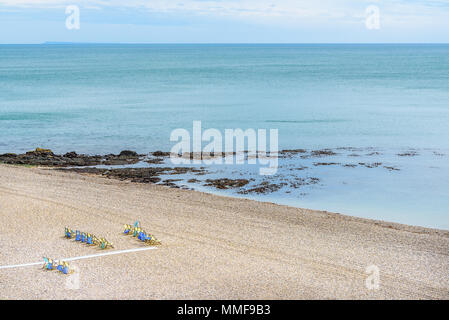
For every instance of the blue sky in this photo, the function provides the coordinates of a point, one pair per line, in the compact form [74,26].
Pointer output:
[224,21]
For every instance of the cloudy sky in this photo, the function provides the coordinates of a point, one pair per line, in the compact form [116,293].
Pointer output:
[226,21]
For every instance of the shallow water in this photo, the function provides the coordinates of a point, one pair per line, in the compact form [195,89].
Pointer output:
[106,98]
[405,186]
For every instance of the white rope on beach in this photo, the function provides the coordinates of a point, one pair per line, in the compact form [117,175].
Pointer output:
[79,258]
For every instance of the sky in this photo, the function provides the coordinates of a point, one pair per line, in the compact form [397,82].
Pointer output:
[225,21]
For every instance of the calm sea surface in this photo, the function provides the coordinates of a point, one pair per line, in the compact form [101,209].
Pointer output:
[391,98]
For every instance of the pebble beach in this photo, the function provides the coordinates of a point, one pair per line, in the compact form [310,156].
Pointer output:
[213,247]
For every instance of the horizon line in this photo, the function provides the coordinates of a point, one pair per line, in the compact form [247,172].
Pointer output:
[219,43]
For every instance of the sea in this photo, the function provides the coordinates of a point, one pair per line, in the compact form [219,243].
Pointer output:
[383,110]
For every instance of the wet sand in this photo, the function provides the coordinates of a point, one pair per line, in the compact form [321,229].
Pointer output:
[213,247]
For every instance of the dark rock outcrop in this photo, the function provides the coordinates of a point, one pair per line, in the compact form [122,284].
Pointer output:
[141,175]
[45,157]
[226,183]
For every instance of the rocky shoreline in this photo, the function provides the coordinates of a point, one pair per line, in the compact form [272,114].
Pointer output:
[139,175]
[152,167]
[46,157]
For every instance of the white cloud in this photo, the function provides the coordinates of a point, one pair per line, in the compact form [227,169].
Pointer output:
[280,12]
